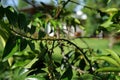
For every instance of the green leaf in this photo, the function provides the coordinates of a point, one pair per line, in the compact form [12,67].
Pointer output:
[114,55]
[107,24]
[3,34]
[77,21]
[32,30]
[117,77]
[87,77]
[12,16]
[41,34]
[31,63]
[41,76]
[22,23]
[11,43]
[108,1]
[108,59]
[67,75]
[21,73]
[32,45]
[108,69]
[77,55]
[1,12]
[23,44]
[82,64]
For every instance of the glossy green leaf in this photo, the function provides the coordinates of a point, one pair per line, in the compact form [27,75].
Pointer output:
[67,75]
[11,43]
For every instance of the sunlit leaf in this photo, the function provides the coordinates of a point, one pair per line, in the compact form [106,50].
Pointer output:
[31,63]
[86,77]
[107,24]
[108,1]
[41,76]
[10,61]
[108,59]
[108,69]
[114,55]
[21,73]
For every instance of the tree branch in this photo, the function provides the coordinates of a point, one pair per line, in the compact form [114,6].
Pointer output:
[49,39]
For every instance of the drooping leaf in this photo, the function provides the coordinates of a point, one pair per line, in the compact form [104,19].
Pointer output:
[3,34]
[43,50]
[77,55]
[22,23]
[1,12]
[69,54]
[11,43]
[41,34]
[67,75]
[21,73]
[114,55]
[10,61]
[107,24]
[82,64]
[32,45]
[108,69]
[108,59]
[12,16]
[41,76]
[23,44]
[31,63]
[32,30]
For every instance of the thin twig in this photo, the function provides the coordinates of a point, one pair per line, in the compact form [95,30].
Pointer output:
[60,11]
[85,6]
[30,3]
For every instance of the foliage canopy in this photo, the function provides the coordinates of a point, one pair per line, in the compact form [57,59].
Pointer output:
[30,52]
